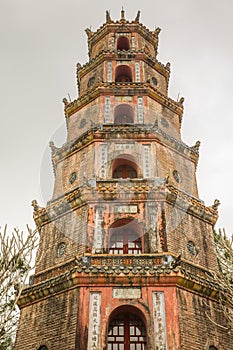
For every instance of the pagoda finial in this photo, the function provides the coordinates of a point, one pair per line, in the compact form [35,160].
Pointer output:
[216,204]
[88,32]
[108,17]
[137,18]
[157,31]
[122,14]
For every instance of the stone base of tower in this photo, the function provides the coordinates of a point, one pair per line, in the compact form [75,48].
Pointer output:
[104,302]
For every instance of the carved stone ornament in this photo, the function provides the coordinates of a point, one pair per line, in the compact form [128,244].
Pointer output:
[177,176]
[61,249]
[72,178]
[164,123]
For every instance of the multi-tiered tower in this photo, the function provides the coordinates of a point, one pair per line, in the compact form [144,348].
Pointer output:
[126,245]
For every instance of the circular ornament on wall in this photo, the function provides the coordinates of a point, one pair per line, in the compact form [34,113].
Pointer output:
[154,81]
[91,82]
[164,123]
[72,178]
[61,249]
[82,123]
[192,248]
[177,176]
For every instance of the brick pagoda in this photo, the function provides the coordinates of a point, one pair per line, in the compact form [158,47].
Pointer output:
[126,250]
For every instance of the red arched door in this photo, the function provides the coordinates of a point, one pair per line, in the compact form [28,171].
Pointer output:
[124,171]
[127,332]
[125,241]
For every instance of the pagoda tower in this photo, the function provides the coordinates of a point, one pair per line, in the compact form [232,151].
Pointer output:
[126,249]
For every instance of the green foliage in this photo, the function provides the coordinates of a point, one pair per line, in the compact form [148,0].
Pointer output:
[6,344]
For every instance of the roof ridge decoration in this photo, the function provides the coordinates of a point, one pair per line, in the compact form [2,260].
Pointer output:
[108,17]
[122,21]
[137,18]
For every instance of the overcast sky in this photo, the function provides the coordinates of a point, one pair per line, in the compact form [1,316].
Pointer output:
[41,42]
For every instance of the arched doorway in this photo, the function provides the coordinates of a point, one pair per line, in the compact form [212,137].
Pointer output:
[125,237]
[123,114]
[126,331]
[123,74]
[124,166]
[123,43]
[124,171]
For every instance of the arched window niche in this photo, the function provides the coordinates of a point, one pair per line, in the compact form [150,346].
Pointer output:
[43,347]
[123,43]
[123,114]
[123,74]
[125,237]
[212,347]
[124,166]
[127,329]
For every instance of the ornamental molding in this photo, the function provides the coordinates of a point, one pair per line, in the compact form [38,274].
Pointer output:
[105,55]
[136,132]
[156,190]
[90,270]
[122,89]
[191,205]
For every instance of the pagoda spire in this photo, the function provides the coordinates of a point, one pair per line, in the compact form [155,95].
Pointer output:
[122,14]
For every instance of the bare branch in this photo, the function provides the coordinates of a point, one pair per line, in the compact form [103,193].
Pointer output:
[16,261]
[224,250]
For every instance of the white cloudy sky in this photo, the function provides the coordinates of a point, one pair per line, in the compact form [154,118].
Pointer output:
[40,44]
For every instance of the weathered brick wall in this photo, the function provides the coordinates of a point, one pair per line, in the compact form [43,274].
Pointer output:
[197,332]
[166,161]
[182,228]
[91,79]
[103,44]
[167,120]
[51,322]
[142,43]
[80,163]
[150,72]
[80,121]
[70,229]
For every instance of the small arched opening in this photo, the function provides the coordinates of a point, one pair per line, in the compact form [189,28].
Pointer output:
[124,166]
[123,43]
[125,237]
[127,329]
[123,74]
[43,347]
[123,114]
[212,347]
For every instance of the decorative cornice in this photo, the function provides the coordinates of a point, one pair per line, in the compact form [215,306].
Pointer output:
[191,205]
[124,55]
[137,132]
[95,270]
[111,190]
[123,89]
